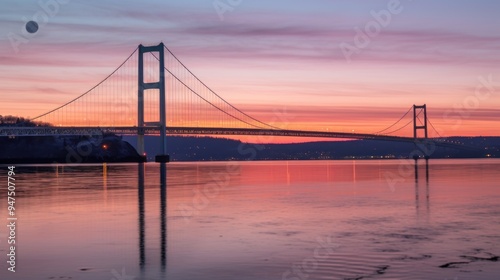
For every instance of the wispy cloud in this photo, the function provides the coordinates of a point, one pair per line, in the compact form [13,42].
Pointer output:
[264,52]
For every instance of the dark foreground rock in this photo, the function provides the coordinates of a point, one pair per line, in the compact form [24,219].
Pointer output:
[66,149]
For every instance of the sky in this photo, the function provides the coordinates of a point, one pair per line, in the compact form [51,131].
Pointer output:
[331,65]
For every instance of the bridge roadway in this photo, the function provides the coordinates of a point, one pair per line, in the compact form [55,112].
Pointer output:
[133,130]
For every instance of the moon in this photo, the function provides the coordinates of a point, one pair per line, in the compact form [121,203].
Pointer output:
[31,26]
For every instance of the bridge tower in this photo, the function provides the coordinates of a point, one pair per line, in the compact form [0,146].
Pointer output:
[142,88]
[417,110]
[422,146]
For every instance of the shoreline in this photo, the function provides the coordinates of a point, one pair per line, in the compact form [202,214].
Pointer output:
[143,159]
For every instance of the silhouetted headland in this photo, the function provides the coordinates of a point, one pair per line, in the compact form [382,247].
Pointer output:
[62,149]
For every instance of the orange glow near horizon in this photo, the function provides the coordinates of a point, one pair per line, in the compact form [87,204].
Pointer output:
[322,106]
[292,76]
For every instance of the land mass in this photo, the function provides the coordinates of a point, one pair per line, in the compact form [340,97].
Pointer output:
[62,149]
[113,148]
[66,149]
[219,149]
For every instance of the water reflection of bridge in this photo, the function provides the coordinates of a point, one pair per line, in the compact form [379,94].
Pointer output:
[417,189]
[421,201]
[163,219]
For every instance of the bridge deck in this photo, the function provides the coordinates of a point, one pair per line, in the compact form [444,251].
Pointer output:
[70,131]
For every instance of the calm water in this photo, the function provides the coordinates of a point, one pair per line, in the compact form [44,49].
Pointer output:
[266,220]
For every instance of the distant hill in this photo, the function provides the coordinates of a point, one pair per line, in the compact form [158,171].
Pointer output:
[112,148]
[210,149]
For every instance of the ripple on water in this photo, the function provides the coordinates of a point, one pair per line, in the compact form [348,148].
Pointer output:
[352,266]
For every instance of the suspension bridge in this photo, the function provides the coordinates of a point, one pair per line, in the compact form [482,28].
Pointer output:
[153,93]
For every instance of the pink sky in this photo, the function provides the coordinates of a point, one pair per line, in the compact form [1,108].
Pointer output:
[286,56]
